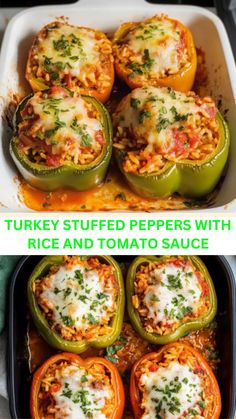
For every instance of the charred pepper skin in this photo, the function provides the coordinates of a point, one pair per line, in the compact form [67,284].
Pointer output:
[78,177]
[184,328]
[194,179]
[55,339]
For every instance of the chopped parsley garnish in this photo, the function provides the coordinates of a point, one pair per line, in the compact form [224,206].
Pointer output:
[145,67]
[67,320]
[163,110]
[102,296]
[79,276]
[202,404]
[80,129]
[83,298]
[62,44]
[154,298]
[162,123]
[81,397]
[134,102]
[174,282]
[67,292]
[67,392]
[111,350]
[143,115]
[91,319]
[66,46]
[178,116]
[171,93]
[56,290]
[212,355]
[121,196]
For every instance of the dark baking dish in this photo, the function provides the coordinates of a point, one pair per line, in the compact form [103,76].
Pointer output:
[18,373]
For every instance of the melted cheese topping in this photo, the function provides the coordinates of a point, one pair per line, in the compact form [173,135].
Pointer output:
[156,46]
[77,398]
[64,121]
[171,392]
[153,113]
[174,293]
[77,298]
[69,49]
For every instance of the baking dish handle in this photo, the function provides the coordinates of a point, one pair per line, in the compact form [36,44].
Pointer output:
[112,4]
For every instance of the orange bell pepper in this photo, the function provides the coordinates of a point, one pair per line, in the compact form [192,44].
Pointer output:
[181,81]
[119,397]
[213,389]
[101,93]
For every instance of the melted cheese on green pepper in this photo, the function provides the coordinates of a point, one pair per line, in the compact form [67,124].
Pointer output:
[78,298]
[174,292]
[64,123]
[78,397]
[152,114]
[156,46]
[172,392]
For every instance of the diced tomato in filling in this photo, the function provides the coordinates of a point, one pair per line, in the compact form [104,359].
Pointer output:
[55,387]
[194,139]
[183,142]
[211,112]
[198,369]
[203,283]
[25,111]
[68,80]
[178,263]
[182,43]
[99,137]
[53,160]
[153,368]
[59,90]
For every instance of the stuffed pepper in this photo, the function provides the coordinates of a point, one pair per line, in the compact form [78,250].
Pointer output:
[77,302]
[158,52]
[66,386]
[62,140]
[166,141]
[175,382]
[169,296]
[77,58]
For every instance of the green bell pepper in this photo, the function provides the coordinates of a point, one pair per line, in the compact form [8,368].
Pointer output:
[78,177]
[184,328]
[55,339]
[189,178]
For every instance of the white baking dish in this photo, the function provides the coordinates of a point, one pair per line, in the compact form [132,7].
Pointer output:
[209,34]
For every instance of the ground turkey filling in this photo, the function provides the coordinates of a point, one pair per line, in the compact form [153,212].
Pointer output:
[169,293]
[78,298]
[71,391]
[58,128]
[154,126]
[152,49]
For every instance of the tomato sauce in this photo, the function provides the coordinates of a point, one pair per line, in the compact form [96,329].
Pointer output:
[112,195]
